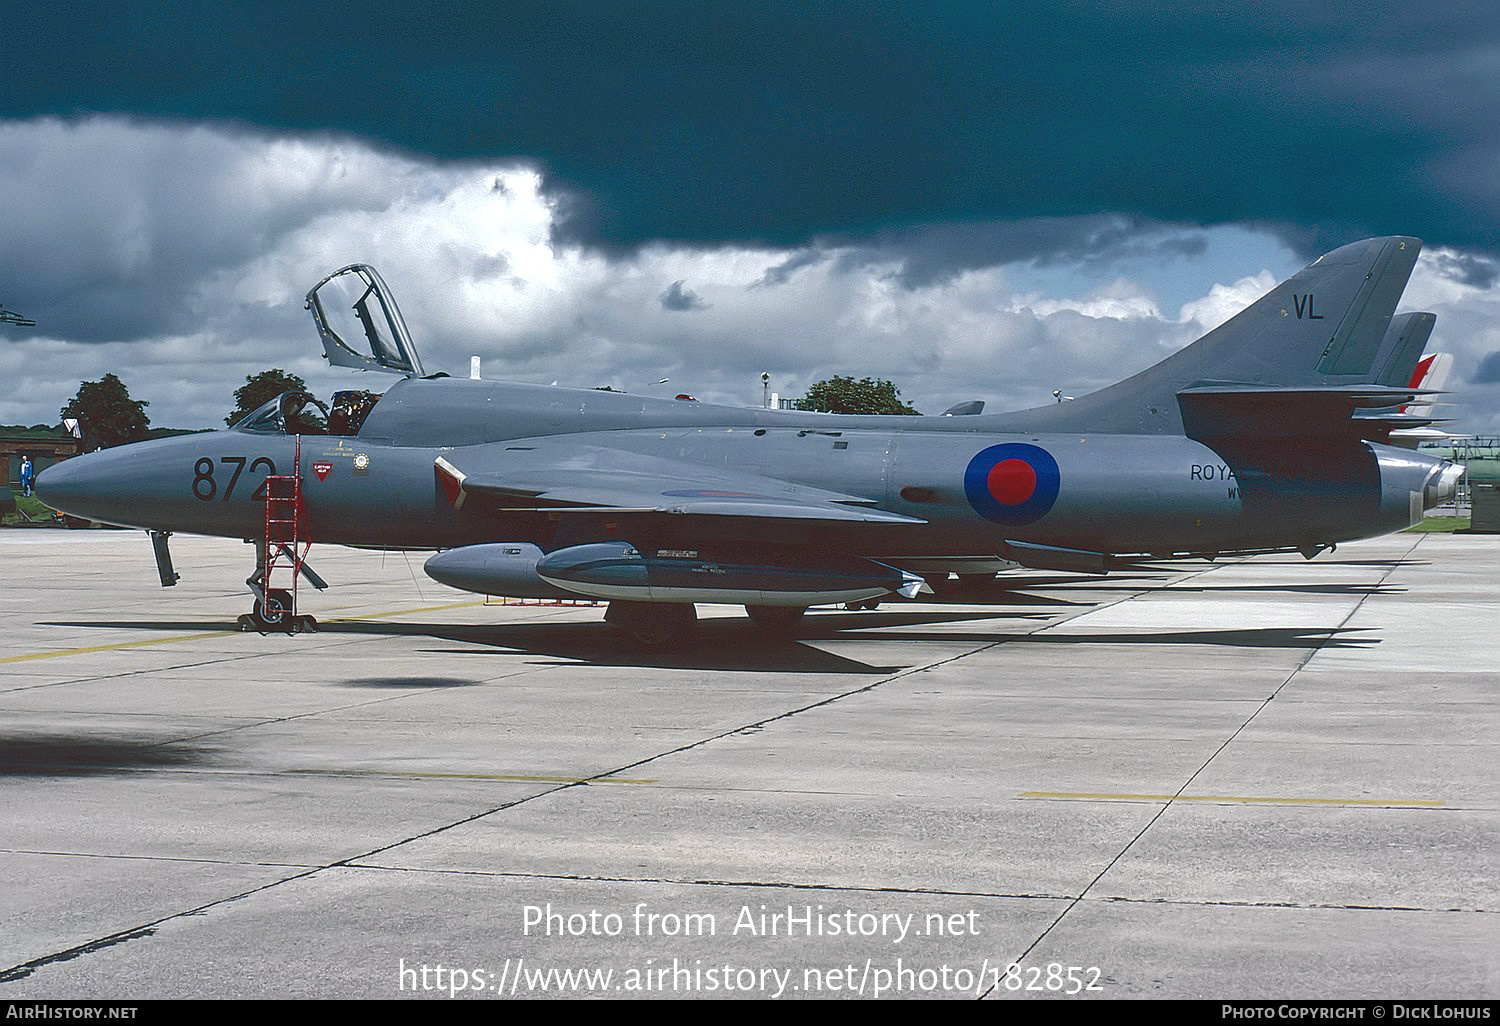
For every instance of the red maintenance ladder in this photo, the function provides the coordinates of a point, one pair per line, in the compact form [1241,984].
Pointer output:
[287,544]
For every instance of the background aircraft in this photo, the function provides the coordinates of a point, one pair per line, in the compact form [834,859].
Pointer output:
[1269,433]
[1430,376]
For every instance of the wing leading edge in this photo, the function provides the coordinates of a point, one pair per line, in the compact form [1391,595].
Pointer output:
[562,478]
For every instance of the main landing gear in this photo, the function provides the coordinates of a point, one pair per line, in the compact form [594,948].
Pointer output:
[653,624]
[965,584]
[778,620]
[663,624]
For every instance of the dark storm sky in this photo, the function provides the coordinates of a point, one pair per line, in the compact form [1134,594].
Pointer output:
[781,122]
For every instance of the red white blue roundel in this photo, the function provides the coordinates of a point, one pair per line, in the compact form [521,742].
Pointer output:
[1012,483]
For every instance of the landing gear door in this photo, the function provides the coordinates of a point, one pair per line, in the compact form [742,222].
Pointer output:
[359,323]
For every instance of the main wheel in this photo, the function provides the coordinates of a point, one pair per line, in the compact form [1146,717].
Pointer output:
[653,624]
[776,619]
[943,585]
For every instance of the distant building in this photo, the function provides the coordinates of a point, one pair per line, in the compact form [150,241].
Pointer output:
[44,446]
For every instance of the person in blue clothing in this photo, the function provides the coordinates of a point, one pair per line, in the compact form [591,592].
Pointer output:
[26,476]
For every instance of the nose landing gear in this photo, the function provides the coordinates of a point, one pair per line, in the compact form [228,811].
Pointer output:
[275,609]
[274,613]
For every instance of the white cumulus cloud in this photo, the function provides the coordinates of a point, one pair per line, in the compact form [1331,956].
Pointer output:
[177,255]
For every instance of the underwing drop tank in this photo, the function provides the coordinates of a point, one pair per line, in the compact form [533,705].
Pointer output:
[622,571]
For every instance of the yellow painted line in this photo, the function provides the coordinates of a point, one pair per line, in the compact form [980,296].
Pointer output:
[178,639]
[59,653]
[507,778]
[400,612]
[1417,803]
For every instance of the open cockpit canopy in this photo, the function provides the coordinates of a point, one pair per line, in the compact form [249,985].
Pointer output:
[359,323]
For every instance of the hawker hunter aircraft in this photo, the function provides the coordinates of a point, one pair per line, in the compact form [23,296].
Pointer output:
[1270,433]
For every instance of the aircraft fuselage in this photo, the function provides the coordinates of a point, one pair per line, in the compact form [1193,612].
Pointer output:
[1108,493]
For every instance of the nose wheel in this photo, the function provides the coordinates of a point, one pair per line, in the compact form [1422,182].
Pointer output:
[275,615]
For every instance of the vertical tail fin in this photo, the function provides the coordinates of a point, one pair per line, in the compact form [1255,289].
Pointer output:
[1324,325]
[1431,374]
[1396,363]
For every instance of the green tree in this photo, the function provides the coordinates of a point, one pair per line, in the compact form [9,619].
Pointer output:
[261,388]
[840,394]
[106,413]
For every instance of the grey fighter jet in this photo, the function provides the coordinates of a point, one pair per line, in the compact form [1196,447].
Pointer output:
[1270,433]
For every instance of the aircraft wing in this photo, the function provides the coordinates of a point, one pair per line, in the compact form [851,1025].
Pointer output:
[562,476]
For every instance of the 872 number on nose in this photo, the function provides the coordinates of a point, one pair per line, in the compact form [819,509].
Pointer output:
[206,487]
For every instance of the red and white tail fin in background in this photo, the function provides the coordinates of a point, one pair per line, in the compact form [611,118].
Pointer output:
[1431,374]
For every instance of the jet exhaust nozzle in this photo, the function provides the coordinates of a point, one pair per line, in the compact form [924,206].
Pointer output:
[1443,485]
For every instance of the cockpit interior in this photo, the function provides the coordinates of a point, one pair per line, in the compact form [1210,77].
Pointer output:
[297,412]
[360,327]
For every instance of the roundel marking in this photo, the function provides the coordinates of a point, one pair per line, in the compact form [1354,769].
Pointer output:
[1012,483]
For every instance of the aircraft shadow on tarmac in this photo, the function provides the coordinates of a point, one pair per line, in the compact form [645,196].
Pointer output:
[59,755]
[734,644]
[719,643]
[1388,563]
[1364,590]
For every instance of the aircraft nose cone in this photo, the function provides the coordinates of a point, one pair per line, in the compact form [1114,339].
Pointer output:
[95,486]
[58,486]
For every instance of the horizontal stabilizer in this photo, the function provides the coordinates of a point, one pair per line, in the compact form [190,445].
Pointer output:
[1223,411]
[1408,416]
[1412,438]
[1362,395]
